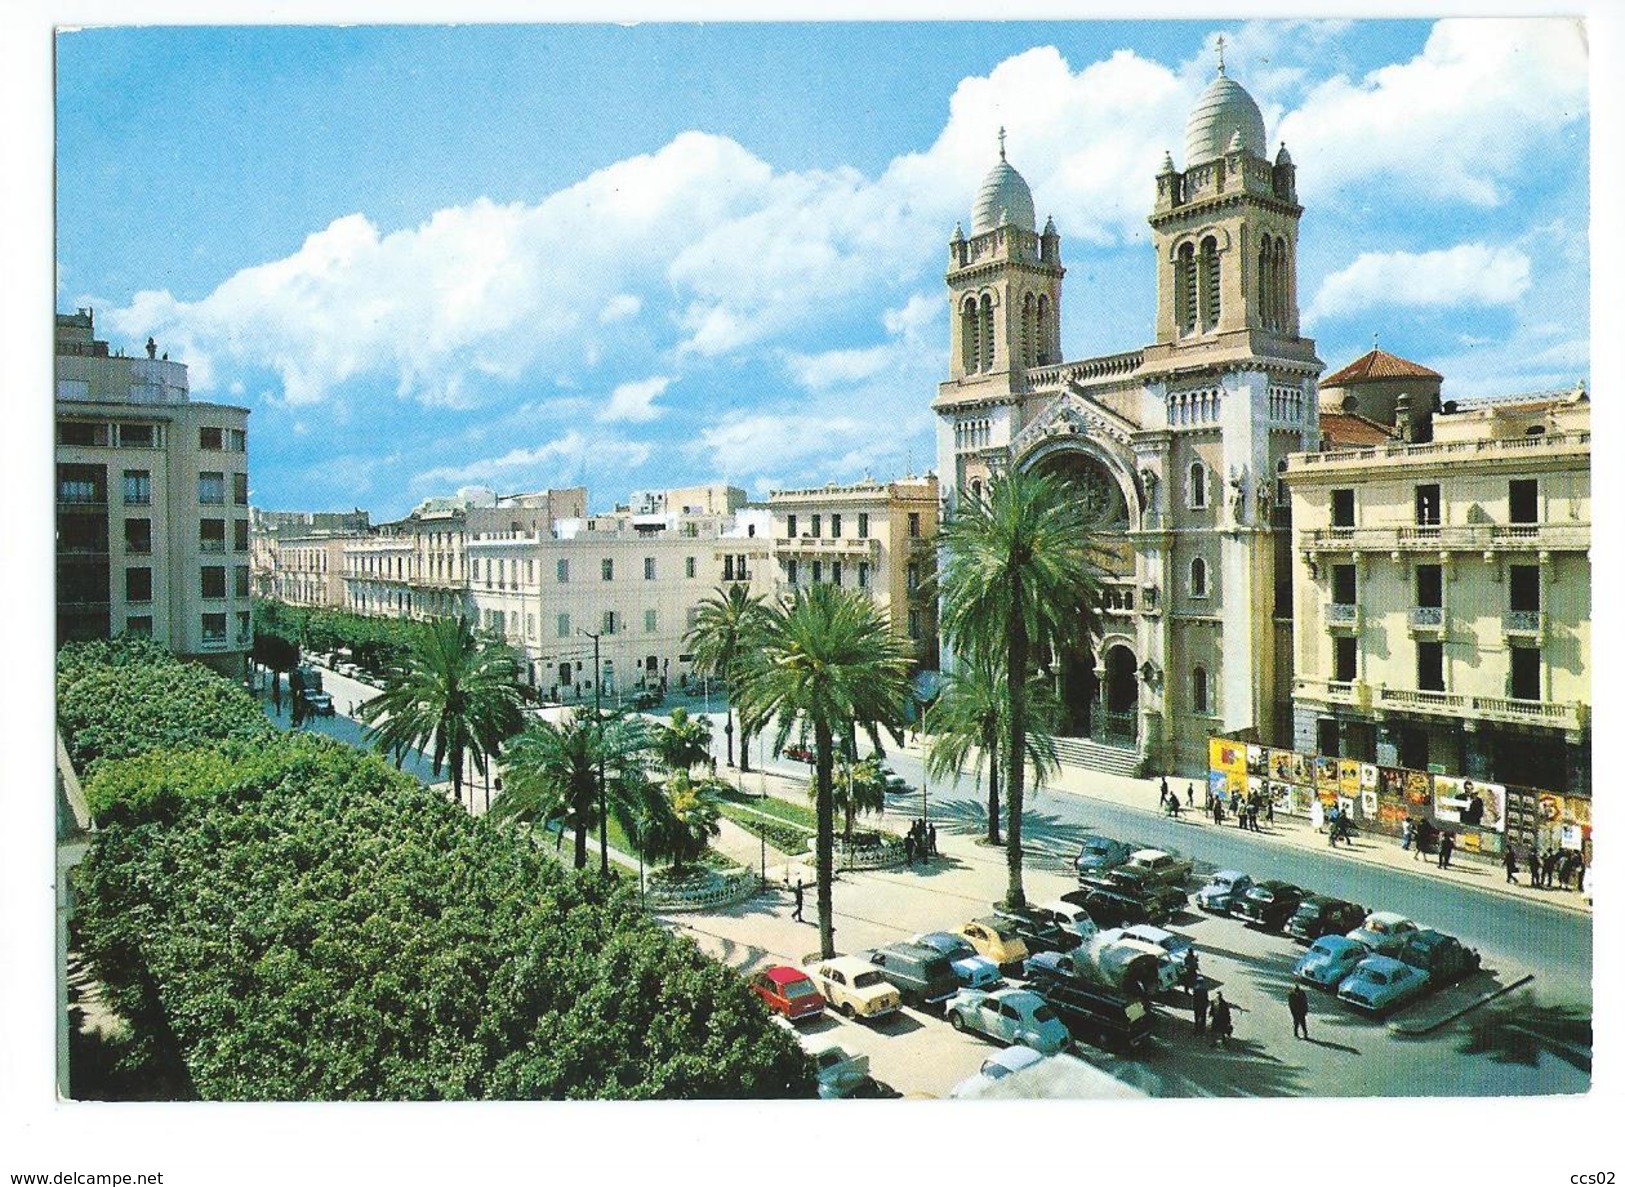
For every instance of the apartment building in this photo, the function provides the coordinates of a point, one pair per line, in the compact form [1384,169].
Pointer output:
[152,507]
[634,577]
[879,537]
[1443,594]
[298,556]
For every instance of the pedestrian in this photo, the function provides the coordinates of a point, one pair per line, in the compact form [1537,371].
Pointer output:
[1548,872]
[276,692]
[1297,1002]
[1223,1028]
[1509,862]
[1447,846]
[1218,810]
[799,900]
[1173,805]
[1190,795]
[1164,796]
[1565,870]
[931,841]
[1405,833]
[1579,872]
[1199,1009]
[1269,809]
[1252,816]
[908,847]
[1191,975]
[1535,856]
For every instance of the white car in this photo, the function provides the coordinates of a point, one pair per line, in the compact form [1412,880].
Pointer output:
[1169,969]
[855,987]
[997,1067]
[840,1073]
[1070,917]
[1010,1016]
[1158,866]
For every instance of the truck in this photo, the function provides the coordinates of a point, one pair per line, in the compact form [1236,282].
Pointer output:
[1099,961]
[1100,991]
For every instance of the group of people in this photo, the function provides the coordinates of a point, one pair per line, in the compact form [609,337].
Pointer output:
[1339,826]
[1422,837]
[1169,798]
[1221,1025]
[920,842]
[1554,867]
[1247,810]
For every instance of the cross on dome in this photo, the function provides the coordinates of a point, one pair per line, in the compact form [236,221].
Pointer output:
[1221,53]
[1001,142]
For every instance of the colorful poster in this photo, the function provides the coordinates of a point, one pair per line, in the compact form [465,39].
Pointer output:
[1227,756]
[1449,798]
[1281,796]
[1257,761]
[1369,809]
[1573,836]
[1348,776]
[1419,789]
[1326,774]
[1218,785]
[1303,799]
[1549,808]
[1390,783]
[1577,810]
[1491,806]
[1368,775]
[1286,766]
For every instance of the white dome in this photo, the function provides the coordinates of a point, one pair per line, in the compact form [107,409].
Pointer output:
[1223,111]
[1004,193]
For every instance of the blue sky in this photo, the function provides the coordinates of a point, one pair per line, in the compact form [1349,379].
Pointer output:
[428,257]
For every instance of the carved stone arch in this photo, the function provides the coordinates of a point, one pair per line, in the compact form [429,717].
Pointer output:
[1220,236]
[1060,446]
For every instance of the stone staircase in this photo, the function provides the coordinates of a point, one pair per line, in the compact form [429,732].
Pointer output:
[1092,756]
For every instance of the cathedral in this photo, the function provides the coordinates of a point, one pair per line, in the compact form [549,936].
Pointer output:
[1177,446]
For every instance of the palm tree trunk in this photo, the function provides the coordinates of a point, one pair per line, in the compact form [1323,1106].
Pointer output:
[728,729]
[582,814]
[993,790]
[825,858]
[456,758]
[1015,895]
[744,748]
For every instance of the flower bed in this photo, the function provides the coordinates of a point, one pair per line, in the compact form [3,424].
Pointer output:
[701,890]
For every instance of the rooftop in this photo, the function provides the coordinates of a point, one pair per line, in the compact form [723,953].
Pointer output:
[1377,365]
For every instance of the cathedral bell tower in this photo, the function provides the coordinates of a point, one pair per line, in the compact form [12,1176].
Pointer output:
[1226,229]
[1004,288]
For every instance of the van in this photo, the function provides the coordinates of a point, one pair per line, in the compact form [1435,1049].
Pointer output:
[923,976]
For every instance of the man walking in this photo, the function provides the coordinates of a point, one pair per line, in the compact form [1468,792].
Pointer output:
[1222,1025]
[1199,1009]
[1297,1002]
[1191,973]
[799,900]
[908,847]
[1190,795]
[1447,846]
[1163,798]
[1548,871]
[1509,861]
[276,692]
[931,841]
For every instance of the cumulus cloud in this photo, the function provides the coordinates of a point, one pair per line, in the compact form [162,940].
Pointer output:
[1467,274]
[635,400]
[1482,101]
[559,461]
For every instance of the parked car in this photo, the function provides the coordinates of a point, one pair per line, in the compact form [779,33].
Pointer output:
[788,991]
[1098,854]
[923,976]
[1329,961]
[1113,908]
[1380,983]
[998,940]
[320,703]
[1159,866]
[1162,901]
[856,988]
[996,1067]
[971,970]
[1168,969]
[1383,932]
[1319,916]
[840,1073]
[800,754]
[1269,904]
[1070,918]
[1106,1018]
[1039,933]
[1223,891]
[1176,946]
[1010,1016]
[1443,958]
[648,699]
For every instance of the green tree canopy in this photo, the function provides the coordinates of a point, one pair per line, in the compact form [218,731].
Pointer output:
[723,625]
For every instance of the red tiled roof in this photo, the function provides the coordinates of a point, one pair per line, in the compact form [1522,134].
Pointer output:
[1350,428]
[1378,364]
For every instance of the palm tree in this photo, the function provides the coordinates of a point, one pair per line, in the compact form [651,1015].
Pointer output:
[683,741]
[686,821]
[550,775]
[451,688]
[825,660]
[721,622]
[860,787]
[1021,576]
[970,716]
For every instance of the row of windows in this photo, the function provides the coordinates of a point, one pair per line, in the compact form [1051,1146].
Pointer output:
[611,622]
[815,525]
[1523,503]
[973,434]
[836,572]
[1523,587]
[143,435]
[212,582]
[1523,677]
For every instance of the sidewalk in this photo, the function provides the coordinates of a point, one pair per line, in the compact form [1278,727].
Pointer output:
[1368,848]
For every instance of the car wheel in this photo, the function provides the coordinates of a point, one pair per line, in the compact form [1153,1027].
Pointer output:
[956,1021]
[847,1011]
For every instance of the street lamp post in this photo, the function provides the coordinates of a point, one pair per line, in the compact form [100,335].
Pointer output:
[598,717]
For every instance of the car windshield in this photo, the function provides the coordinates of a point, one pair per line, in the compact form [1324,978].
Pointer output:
[799,989]
[865,980]
[1376,977]
[829,1059]
[1323,948]
[1043,1014]
[1095,847]
[1259,894]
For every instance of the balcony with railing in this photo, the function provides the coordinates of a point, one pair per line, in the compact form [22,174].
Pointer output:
[1530,624]
[835,546]
[1476,537]
[1571,715]
[1426,620]
[1435,453]
[1343,616]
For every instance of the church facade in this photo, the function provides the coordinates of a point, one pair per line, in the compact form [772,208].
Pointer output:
[1177,446]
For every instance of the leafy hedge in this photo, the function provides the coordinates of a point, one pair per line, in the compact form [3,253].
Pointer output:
[290,919]
[789,839]
[125,697]
[376,641]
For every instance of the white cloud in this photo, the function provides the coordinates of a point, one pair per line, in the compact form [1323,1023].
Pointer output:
[558,461]
[1481,103]
[620,307]
[1465,275]
[634,401]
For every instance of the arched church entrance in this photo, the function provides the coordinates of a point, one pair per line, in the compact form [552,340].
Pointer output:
[1120,704]
[1077,683]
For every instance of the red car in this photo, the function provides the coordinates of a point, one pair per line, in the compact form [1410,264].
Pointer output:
[788,991]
